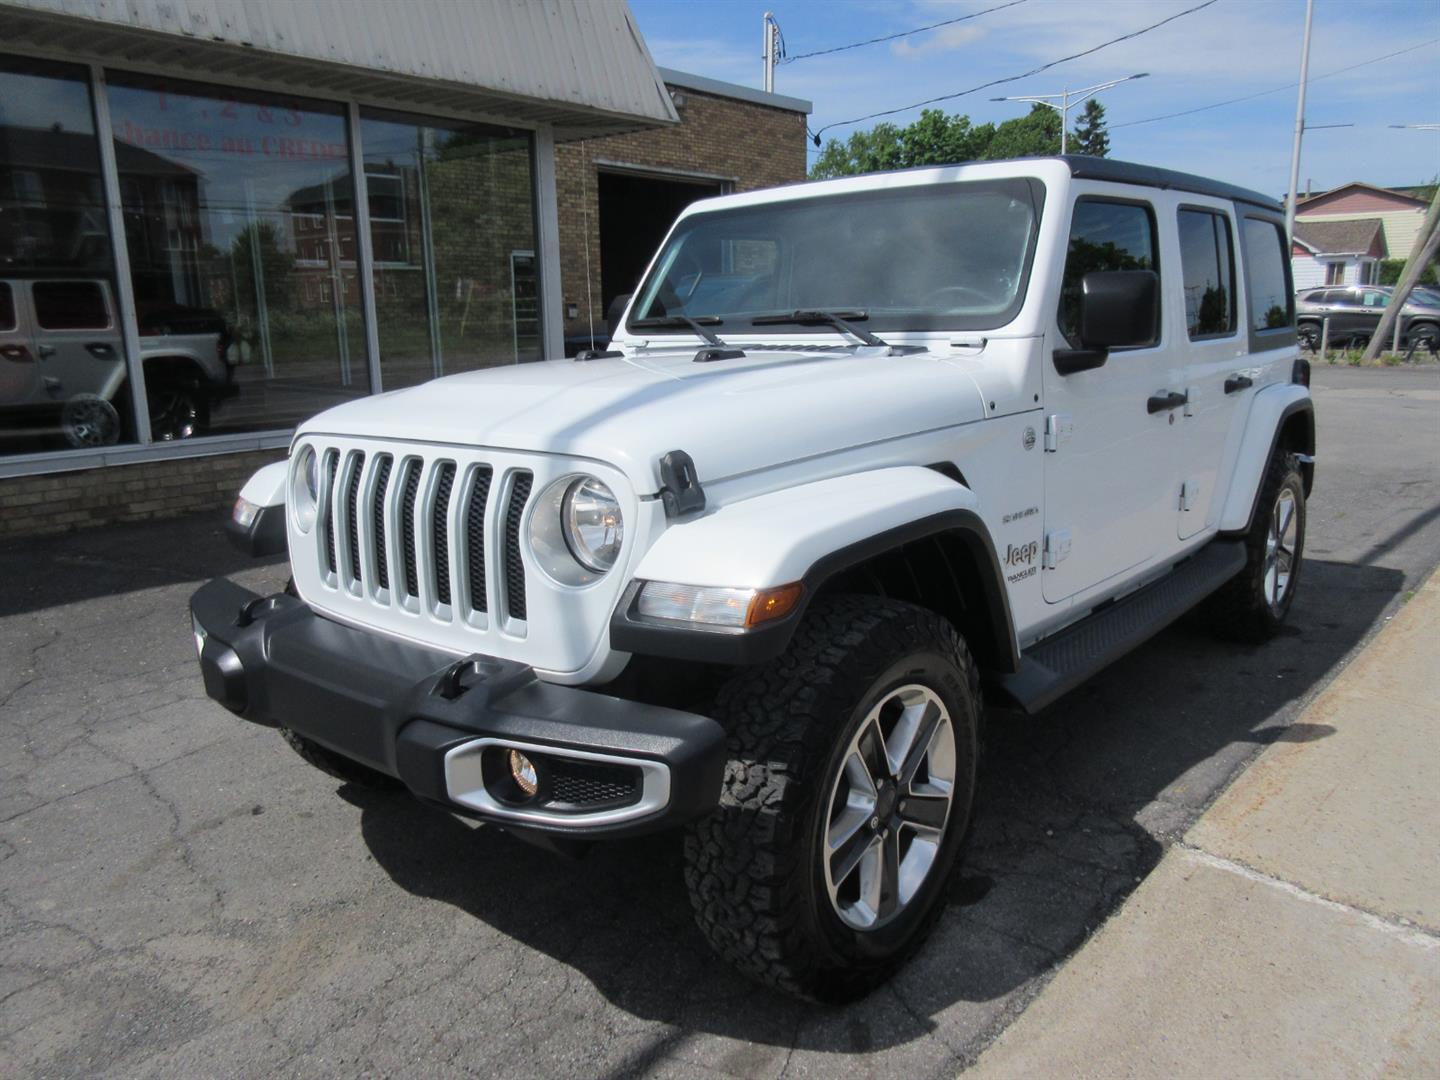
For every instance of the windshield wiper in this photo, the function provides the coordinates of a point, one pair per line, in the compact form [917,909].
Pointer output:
[840,320]
[677,322]
[716,348]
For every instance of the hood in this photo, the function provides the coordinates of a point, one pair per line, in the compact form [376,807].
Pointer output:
[730,416]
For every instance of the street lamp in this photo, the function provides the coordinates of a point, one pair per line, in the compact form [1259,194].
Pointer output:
[1065,100]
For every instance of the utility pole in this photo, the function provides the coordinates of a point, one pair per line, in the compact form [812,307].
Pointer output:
[1065,96]
[771,28]
[1427,244]
[1299,126]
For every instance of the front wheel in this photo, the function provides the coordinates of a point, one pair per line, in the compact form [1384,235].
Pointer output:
[846,799]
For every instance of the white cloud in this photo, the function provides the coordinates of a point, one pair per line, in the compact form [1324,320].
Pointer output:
[943,40]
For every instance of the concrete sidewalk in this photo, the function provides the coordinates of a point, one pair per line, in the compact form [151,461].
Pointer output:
[1296,930]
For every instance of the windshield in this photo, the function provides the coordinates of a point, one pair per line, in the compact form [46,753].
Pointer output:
[937,256]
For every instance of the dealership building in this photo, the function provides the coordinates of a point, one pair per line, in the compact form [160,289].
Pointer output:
[218,217]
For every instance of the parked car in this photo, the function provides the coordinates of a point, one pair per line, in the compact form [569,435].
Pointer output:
[1354,312]
[860,452]
[62,362]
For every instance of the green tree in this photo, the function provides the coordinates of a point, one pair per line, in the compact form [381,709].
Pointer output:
[1090,136]
[938,139]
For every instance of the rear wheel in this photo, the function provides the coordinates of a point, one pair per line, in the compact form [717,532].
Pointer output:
[1253,605]
[1425,338]
[1309,335]
[846,800]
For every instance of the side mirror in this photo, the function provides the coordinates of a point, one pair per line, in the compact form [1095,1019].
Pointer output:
[1118,309]
[615,311]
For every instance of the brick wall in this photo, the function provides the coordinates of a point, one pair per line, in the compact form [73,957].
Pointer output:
[757,145]
[60,502]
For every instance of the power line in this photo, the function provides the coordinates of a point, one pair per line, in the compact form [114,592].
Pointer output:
[903,33]
[1274,90]
[1017,78]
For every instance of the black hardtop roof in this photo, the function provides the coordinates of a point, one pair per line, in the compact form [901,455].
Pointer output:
[1120,172]
[1128,172]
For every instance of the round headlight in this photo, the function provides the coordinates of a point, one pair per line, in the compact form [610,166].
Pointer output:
[305,487]
[592,525]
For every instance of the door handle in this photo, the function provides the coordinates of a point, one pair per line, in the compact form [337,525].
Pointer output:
[101,350]
[45,350]
[18,353]
[1237,383]
[1162,402]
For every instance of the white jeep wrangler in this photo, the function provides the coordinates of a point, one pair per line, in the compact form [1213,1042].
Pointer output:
[859,448]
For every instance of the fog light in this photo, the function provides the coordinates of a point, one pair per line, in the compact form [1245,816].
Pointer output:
[522,771]
[200,634]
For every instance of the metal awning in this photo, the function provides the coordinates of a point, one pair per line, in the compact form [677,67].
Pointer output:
[582,68]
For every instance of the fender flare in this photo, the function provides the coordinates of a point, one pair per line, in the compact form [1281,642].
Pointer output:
[264,534]
[1272,410]
[809,534]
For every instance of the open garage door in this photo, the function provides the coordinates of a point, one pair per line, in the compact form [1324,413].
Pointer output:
[636,211]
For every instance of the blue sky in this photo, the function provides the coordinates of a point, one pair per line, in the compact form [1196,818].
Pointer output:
[1230,49]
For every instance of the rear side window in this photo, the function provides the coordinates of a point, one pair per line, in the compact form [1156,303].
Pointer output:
[70,305]
[1104,235]
[1207,261]
[1271,305]
[7,307]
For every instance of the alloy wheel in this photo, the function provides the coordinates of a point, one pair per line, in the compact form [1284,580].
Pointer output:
[889,806]
[1280,549]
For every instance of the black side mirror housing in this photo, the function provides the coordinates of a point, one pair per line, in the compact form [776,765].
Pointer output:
[1118,309]
[615,311]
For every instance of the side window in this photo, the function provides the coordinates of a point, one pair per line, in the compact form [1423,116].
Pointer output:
[1271,305]
[70,305]
[1342,297]
[1207,261]
[1104,235]
[1372,298]
[7,307]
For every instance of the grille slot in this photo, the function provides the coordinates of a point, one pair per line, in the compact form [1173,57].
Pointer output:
[440,532]
[407,527]
[514,568]
[352,516]
[475,538]
[326,483]
[377,517]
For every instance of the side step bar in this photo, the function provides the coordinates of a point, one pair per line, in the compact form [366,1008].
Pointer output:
[1056,665]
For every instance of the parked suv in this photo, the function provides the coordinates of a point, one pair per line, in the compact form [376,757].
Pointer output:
[1354,312]
[62,360]
[863,455]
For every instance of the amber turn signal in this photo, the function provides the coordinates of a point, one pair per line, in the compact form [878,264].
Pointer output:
[771,604]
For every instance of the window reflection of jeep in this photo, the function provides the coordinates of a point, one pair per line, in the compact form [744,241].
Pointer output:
[63,372]
[864,455]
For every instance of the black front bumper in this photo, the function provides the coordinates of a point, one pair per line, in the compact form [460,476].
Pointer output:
[401,708]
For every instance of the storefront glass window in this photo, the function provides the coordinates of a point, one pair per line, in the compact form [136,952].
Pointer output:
[242,254]
[452,224]
[63,378]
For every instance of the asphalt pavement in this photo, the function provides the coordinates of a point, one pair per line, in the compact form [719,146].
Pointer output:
[180,893]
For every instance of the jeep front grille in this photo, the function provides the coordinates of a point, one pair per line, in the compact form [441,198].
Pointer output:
[433,521]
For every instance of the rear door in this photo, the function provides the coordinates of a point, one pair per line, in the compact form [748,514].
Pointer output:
[19,381]
[77,339]
[1219,384]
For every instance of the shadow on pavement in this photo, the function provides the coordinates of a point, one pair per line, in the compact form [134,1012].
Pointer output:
[47,571]
[1076,806]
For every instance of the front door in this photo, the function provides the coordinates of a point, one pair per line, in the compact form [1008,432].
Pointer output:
[19,381]
[1111,463]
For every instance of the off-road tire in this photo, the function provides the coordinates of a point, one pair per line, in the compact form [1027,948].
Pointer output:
[752,866]
[1241,609]
[333,764]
